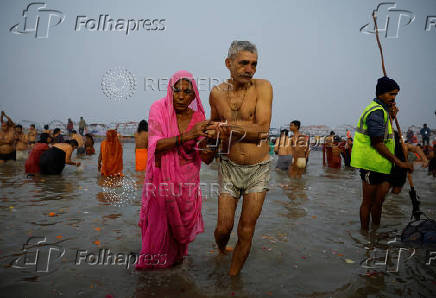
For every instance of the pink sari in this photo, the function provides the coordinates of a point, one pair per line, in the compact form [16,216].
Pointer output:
[170,215]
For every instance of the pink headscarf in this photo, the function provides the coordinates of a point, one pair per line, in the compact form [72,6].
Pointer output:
[163,124]
[166,222]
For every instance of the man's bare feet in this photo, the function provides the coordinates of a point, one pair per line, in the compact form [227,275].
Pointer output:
[225,251]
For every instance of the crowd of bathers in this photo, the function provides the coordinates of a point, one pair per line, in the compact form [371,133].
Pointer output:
[44,152]
[336,150]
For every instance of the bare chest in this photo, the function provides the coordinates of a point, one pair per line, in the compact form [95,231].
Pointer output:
[237,106]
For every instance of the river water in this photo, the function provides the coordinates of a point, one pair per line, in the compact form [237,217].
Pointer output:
[307,241]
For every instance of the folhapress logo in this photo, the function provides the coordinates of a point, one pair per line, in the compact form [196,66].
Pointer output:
[39,255]
[394,19]
[38,20]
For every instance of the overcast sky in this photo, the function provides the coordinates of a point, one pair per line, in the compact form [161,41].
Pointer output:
[322,68]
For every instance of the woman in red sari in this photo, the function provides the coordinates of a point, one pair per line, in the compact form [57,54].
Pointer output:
[170,216]
[32,162]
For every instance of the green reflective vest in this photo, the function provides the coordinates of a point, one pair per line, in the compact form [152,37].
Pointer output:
[363,155]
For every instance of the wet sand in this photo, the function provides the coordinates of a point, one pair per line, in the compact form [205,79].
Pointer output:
[307,241]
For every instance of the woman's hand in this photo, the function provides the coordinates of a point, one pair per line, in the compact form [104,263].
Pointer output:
[199,129]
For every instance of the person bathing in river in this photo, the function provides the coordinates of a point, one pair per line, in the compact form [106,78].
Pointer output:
[110,159]
[141,145]
[32,162]
[31,135]
[79,139]
[89,144]
[170,216]
[282,147]
[7,139]
[245,104]
[300,151]
[21,143]
[53,160]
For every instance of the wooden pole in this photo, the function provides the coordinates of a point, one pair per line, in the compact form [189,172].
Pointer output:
[400,135]
[379,43]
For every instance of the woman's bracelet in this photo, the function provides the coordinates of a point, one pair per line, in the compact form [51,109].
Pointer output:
[179,140]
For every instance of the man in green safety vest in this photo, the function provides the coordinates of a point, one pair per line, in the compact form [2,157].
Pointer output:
[374,151]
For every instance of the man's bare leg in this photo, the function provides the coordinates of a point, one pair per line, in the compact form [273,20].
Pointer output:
[226,217]
[300,172]
[292,172]
[251,208]
[380,194]
[367,202]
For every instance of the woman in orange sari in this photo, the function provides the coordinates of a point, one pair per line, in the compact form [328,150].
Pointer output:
[110,159]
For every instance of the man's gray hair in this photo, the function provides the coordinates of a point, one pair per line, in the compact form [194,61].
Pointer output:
[241,45]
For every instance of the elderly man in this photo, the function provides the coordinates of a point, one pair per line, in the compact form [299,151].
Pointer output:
[244,104]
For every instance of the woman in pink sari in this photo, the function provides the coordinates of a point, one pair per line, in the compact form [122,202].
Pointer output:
[170,215]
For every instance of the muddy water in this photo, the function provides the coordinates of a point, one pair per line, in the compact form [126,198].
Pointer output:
[307,241]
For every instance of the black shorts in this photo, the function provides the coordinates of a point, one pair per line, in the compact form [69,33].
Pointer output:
[372,177]
[8,156]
